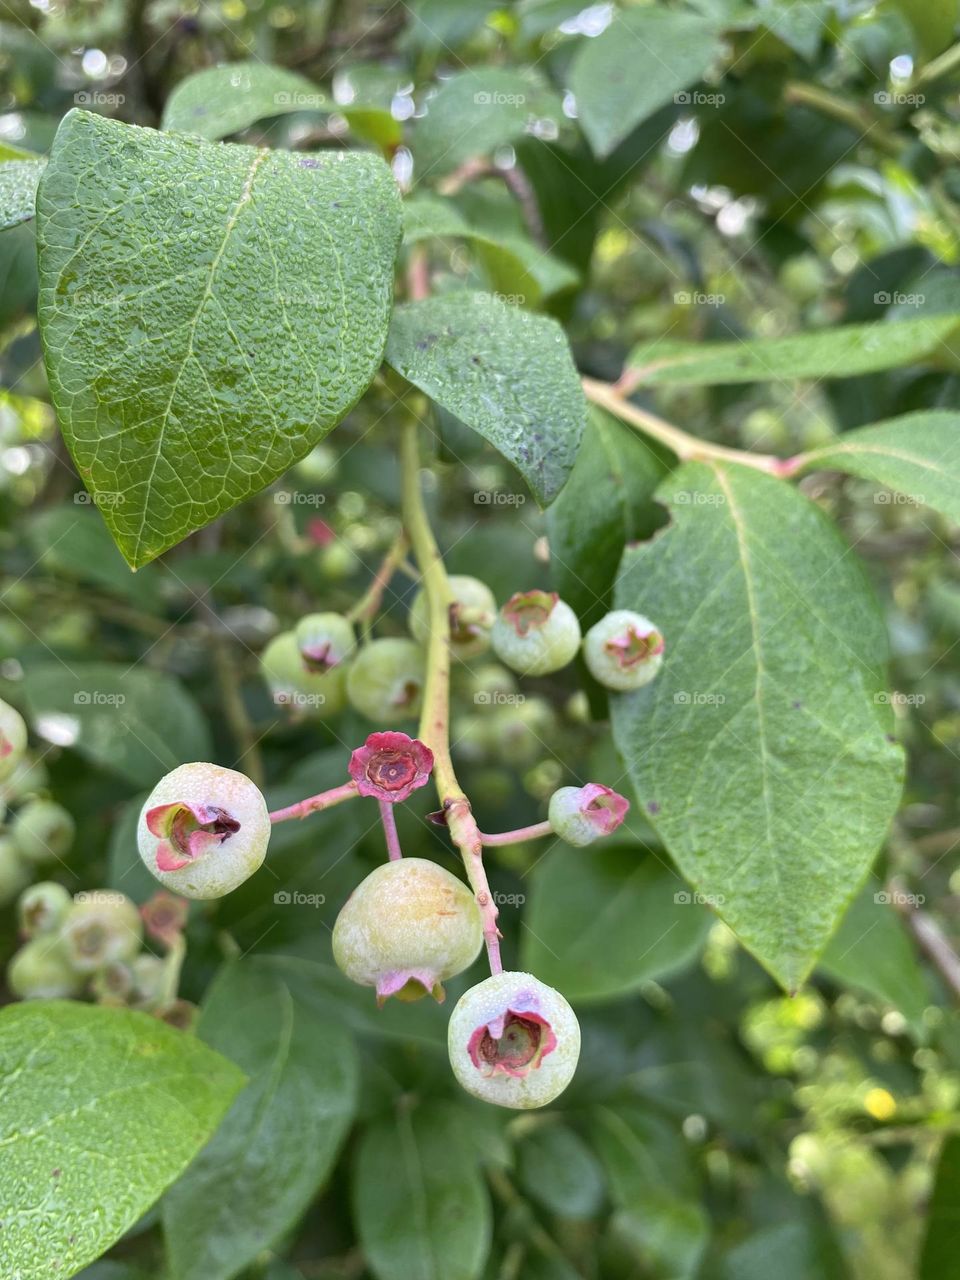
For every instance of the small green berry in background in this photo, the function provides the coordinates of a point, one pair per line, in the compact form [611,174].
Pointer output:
[479,640]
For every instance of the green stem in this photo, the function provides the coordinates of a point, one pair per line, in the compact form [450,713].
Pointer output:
[366,608]
[850,113]
[435,719]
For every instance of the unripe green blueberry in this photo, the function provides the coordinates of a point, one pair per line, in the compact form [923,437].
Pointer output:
[385,680]
[490,685]
[338,561]
[43,830]
[325,640]
[203,830]
[28,777]
[513,1041]
[319,466]
[100,928]
[522,733]
[405,928]
[42,907]
[113,984]
[470,635]
[624,650]
[292,682]
[536,633]
[14,872]
[13,739]
[580,815]
[149,978]
[39,971]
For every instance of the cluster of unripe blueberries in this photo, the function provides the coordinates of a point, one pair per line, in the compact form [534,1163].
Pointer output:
[411,925]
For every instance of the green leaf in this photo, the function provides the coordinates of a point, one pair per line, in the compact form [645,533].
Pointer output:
[760,751]
[102,1108]
[917,455]
[419,1201]
[188,369]
[219,101]
[600,925]
[826,353]
[933,22]
[641,62]
[558,1169]
[476,111]
[18,190]
[607,502]
[275,1148]
[505,373]
[72,541]
[790,1251]
[133,722]
[872,951]
[938,1258]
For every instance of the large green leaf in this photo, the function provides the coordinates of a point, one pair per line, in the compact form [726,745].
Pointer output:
[218,101]
[938,1259]
[600,925]
[505,373]
[208,313]
[277,1145]
[419,1200]
[917,455]
[872,951]
[644,59]
[789,1251]
[102,1108]
[137,723]
[760,751]
[476,111]
[827,353]
[18,190]
[607,502]
[558,1169]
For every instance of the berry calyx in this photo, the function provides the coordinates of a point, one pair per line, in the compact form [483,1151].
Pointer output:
[406,928]
[471,616]
[100,928]
[325,641]
[514,1041]
[40,971]
[535,633]
[624,650]
[390,766]
[203,830]
[303,683]
[42,831]
[13,739]
[580,815]
[42,907]
[385,680]
[164,917]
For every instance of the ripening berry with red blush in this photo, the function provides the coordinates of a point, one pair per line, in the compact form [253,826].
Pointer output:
[535,633]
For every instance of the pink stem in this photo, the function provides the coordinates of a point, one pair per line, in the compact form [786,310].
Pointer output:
[533,832]
[314,804]
[389,820]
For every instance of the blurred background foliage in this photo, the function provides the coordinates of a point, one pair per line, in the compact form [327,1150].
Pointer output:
[716,1128]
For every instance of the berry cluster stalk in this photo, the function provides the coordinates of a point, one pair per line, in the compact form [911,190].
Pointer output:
[435,719]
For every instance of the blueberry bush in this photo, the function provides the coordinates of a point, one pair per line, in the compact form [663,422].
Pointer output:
[479,607]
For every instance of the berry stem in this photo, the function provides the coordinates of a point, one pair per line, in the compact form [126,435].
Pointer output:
[533,832]
[687,448]
[389,820]
[435,719]
[314,804]
[367,607]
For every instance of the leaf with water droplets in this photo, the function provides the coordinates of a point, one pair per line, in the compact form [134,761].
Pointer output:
[218,101]
[100,1109]
[208,313]
[18,190]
